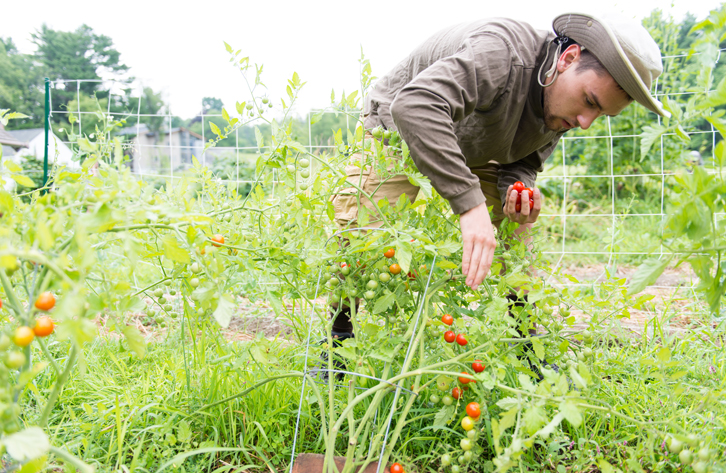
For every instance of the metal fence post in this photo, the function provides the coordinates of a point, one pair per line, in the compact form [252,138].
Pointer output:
[47,127]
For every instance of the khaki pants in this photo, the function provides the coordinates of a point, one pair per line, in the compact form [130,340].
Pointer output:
[345,203]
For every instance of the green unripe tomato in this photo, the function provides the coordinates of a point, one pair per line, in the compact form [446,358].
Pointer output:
[194,282]
[445,459]
[5,342]
[434,399]
[461,459]
[167,282]
[455,469]
[447,400]
[334,281]
[172,292]
[587,336]
[700,467]
[158,292]
[704,454]
[465,444]
[174,315]
[686,457]
[168,308]
[14,360]
[369,295]
[162,300]
[564,311]
[303,186]
[547,310]
[386,134]
[471,435]
[290,168]
[265,100]
[345,270]
[384,277]
[675,446]
[248,106]
[587,352]
[692,440]
[468,456]
[372,285]
[377,133]
[303,163]
[304,173]
[195,268]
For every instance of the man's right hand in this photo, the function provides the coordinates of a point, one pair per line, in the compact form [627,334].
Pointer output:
[479,244]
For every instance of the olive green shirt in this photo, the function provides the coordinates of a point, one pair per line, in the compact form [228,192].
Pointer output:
[467,96]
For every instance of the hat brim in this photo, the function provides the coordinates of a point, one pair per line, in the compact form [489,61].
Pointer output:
[599,38]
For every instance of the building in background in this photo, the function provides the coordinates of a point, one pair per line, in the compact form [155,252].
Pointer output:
[154,152]
[30,143]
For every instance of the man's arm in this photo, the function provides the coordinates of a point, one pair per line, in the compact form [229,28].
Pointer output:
[425,111]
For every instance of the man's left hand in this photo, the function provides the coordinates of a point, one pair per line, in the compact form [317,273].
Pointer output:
[527,213]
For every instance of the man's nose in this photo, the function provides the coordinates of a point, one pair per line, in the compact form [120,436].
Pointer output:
[585,120]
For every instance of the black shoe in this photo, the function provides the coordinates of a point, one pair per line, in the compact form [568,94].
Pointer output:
[338,364]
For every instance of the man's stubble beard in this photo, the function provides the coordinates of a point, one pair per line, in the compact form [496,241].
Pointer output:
[550,119]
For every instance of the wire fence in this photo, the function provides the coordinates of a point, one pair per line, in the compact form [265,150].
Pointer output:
[630,191]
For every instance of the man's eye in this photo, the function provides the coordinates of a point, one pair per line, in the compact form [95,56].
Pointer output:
[589,104]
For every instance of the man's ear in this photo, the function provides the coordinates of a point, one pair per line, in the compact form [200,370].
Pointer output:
[568,57]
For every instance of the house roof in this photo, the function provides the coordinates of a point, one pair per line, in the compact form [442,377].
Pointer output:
[8,151]
[9,139]
[27,135]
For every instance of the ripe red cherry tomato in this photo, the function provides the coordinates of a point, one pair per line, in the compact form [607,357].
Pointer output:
[518,207]
[43,326]
[473,410]
[389,253]
[477,366]
[447,319]
[464,380]
[456,393]
[461,339]
[518,186]
[397,468]
[449,336]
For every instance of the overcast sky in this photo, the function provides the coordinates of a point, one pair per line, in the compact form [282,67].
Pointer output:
[177,47]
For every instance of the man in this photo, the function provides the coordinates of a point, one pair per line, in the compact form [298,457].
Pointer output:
[482,105]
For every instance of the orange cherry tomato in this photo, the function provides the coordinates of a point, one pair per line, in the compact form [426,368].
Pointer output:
[464,380]
[473,410]
[45,301]
[44,326]
[456,393]
[23,336]
[217,239]
[448,319]
[389,253]
[394,268]
[449,336]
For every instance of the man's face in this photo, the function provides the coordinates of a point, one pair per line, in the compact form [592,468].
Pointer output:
[577,98]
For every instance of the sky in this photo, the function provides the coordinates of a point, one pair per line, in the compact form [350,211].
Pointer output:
[178,47]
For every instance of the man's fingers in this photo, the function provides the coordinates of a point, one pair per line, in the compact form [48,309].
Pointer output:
[485,263]
[466,257]
[475,263]
[537,205]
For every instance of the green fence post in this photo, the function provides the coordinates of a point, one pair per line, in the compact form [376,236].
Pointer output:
[47,128]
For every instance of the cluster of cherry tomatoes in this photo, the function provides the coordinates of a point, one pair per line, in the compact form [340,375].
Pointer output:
[519,188]
[24,335]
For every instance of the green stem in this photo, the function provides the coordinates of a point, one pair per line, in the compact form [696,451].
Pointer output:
[70,363]
[79,464]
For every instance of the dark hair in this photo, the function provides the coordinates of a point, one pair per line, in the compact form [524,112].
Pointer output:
[588,62]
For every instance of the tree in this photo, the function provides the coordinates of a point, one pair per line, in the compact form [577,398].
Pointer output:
[211,103]
[20,85]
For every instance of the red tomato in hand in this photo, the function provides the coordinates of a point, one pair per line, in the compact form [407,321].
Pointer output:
[449,336]
[518,207]
[477,366]
[447,319]
[456,393]
[397,468]
[518,186]
[473,410]
[461,339]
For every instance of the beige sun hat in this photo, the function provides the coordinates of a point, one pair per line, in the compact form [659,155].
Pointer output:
[623,46]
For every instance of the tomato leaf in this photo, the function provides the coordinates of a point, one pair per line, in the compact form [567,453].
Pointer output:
[443,416]
[135,340]
[404,255]
[534,419]
[571,412]
[224,311]
[24,181]
[648,137]
[384,303]
[27,444]
[538,348]
[422,182]
[173,251]
[647,274]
